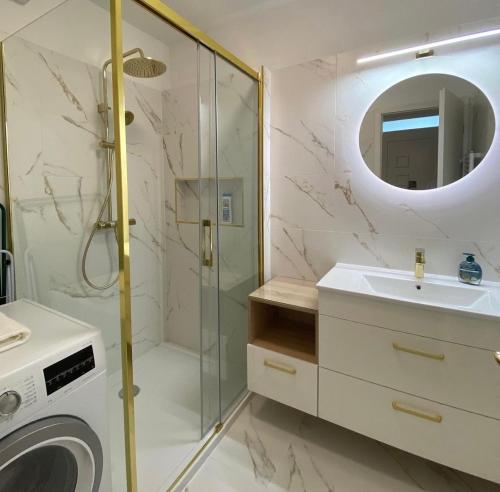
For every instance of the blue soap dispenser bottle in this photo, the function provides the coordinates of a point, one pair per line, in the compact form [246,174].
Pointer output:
[469,271]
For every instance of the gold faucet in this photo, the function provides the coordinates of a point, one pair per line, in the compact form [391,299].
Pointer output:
[419,262]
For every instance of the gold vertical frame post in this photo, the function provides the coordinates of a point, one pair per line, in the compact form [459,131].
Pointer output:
[123,242]
[260,174]
[4,143]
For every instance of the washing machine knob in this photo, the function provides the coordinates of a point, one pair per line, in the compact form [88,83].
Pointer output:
[10,401]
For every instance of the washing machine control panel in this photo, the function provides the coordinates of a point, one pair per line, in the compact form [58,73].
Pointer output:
[19,396]
[65,371]
[10,401]
[25,392]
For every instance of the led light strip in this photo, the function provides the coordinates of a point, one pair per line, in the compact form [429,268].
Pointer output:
[428,46]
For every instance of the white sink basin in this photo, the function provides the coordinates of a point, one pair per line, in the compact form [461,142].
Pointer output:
[434,291]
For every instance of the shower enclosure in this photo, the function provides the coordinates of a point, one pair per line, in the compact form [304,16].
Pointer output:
[134,197]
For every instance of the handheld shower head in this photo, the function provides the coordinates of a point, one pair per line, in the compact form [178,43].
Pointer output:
[129,117]
[144,67]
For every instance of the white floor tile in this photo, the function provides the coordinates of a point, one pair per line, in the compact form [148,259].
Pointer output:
[273,448]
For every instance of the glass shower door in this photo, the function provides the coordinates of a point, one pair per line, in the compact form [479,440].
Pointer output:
[209,258]
[228,118]
[237,198]
[162,101]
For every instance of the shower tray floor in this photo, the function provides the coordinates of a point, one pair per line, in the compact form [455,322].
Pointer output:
[167,417]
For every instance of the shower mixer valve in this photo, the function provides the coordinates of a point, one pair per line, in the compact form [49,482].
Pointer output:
[112,224]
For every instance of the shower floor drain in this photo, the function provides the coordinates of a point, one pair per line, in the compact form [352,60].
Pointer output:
[137,390]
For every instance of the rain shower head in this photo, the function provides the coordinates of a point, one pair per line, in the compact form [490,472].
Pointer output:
[144,67]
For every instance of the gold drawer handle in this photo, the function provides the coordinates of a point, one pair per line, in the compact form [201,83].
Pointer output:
[497,357]
[401,407]
[408,350]
[280,367]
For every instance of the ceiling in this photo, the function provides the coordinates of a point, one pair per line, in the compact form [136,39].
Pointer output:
[213,13]
[285,32]
[281,32]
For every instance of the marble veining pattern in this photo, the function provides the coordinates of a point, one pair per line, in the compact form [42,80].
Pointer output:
[272,447]
[327,207]
[180,157]
[58,184]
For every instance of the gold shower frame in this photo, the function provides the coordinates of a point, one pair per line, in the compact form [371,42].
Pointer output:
[172,18]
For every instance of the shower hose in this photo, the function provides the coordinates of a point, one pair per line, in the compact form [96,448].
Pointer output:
[95,227]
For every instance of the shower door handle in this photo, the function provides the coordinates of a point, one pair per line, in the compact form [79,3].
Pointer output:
[208,254]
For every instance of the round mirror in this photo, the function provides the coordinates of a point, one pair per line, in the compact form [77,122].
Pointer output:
[427,132]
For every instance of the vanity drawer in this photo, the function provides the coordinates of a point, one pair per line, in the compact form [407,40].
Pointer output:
[453,374]
[434,323]
[453,437]
[288,380]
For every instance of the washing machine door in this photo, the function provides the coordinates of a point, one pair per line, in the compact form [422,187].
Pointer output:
[55,454]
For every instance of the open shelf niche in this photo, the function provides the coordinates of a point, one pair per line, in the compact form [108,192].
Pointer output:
[187,195]
[284,318]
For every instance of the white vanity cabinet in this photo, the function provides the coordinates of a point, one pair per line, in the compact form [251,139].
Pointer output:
[421,379]
[282,349]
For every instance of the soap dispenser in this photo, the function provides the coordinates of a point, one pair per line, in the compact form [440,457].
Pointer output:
[469,271]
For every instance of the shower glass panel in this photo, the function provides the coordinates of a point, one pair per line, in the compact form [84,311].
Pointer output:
[52,72]
[192,154]
[237,191]
[59,171]
[163,193]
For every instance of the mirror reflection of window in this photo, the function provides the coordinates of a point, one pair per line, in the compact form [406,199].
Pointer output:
[427,132]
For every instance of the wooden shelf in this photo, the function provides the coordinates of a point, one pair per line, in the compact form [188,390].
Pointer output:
[290,339]
[299,295]
[284,318]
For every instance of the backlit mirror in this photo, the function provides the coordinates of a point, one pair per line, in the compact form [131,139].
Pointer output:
[427,131]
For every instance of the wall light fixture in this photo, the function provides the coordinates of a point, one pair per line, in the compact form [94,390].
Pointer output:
[429,46]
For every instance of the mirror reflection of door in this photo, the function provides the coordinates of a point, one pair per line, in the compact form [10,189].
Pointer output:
[451,137]
[410,148]
[427,131]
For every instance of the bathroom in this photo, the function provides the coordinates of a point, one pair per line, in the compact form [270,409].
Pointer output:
[163,160]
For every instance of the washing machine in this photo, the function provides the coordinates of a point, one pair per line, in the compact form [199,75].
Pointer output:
[53,415]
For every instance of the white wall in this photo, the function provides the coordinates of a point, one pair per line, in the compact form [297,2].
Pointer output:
[14,16]
[326,204]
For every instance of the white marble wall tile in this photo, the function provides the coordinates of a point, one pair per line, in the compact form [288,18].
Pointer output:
[144,171]
[326,201]
[180,158]
[309,254]
[58,183]
[302,127]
